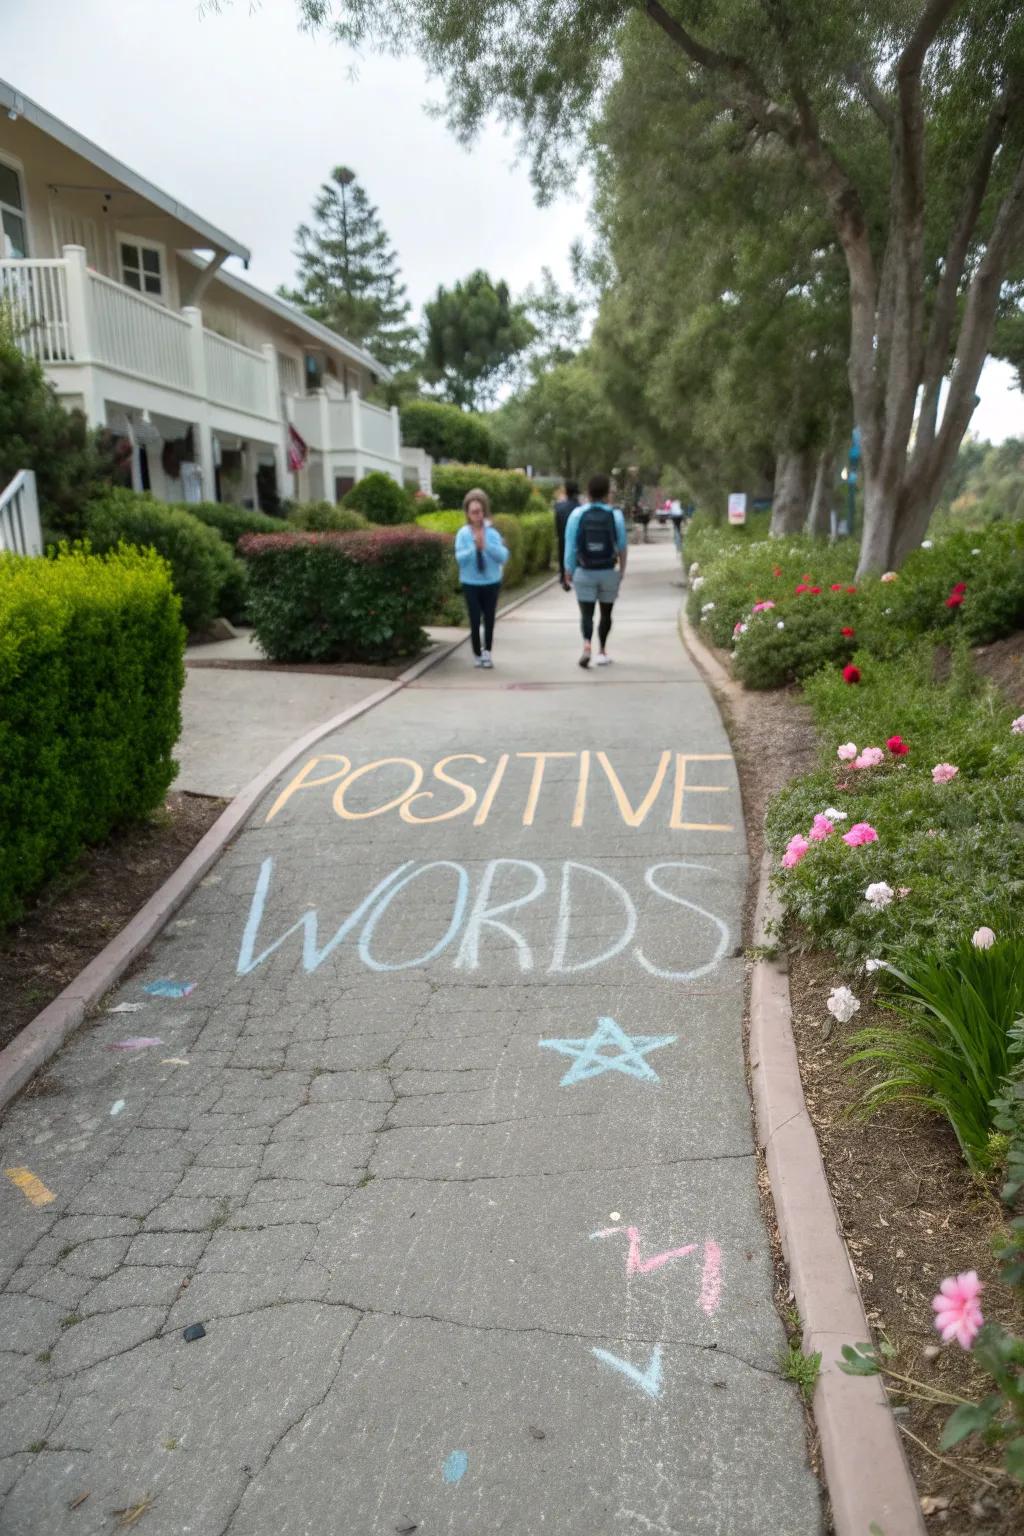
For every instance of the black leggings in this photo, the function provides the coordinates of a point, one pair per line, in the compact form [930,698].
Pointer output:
[482,603]
[604,627]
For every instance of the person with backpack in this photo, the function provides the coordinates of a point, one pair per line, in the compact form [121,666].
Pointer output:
[595,544]
[480,554]
[563,511]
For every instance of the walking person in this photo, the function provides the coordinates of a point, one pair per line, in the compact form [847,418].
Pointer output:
[480,553]
[595,544]
[563,511]
[675,512]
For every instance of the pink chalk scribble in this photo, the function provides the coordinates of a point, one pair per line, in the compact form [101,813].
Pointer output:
[635,1265]
[711,1279]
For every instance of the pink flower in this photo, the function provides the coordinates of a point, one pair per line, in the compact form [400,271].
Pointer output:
[847,752]
[983,938]
[821,829]
[869,758]
[795,850]
[763,607]
[890,576]
[943,772]
[957,1308]
[1017,726]
[861,832]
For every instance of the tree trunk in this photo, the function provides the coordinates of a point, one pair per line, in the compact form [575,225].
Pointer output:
[789,499]
[819,519]
[879,523]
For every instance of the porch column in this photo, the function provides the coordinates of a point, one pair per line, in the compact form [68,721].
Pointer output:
[326,461]
[285,485]
[203,432]
[355,416]
[396,444]
[76,274]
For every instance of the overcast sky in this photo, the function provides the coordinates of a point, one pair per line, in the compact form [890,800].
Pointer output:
[240,116]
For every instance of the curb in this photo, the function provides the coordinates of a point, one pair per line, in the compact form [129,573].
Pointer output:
[46,1033]
[869,1483]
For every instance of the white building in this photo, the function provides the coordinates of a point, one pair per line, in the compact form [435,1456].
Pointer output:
[120,292]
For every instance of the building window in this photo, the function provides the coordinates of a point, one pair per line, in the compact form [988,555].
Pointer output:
[142,268]
[13,230]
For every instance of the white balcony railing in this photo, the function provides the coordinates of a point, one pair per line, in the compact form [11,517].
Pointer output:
[376,430]
[35,296]
[20,532]
[137,336]
[235,375]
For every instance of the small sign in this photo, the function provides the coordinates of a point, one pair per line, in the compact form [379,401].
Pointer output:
[737,507]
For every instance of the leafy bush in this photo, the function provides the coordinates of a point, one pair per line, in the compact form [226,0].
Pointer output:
[201,563]
[344,596]
[325,517]
[511,530]
[91,676]
[446,432]
[771,651]
[422,503]
[37,433]
[539,541]
[538,502]
[230,521]
[381,500]
[509,491]
[441,522]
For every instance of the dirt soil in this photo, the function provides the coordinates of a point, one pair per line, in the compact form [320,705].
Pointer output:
[910,1212]
[82,909]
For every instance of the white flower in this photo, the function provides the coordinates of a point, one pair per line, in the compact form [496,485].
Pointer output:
[975,551]
[779,624]
[871,966]
[694,570]
[842,1004]
[926,544]
[879,895]
[983,938]
[708,608]
[888,610]
[834,815]
[742,629]
[698,583]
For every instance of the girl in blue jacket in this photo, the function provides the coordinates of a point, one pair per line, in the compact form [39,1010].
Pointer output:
[480,553]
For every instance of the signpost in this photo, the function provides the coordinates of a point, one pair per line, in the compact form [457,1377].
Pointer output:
[737,508]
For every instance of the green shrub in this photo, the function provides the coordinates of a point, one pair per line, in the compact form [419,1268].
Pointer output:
[344,596]
[511,531]
[201,563]
[772,650]
[91,676]
[441,522]
[446,432]
[231,522]
[736,572]
[509,491]
[325,517]
[381,500]
[989,562]
[539,541]
[538,502]
[422,503]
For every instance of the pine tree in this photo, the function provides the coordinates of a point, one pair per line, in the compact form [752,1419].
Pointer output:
[349,274]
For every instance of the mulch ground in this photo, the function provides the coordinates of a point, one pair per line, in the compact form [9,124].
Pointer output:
[79,912]
[909,1210]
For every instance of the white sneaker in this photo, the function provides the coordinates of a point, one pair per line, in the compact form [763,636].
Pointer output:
[603,660]
[478,661]
[485,659]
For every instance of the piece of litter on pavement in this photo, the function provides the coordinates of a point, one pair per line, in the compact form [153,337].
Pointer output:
[133,1043]
[127,1008]
[194,1331]
[614,1215]
[538,1434]
[455,1464]
[406,1528]
[184,922]
[164,987]
[173,1061]
[75,1503]
[32,1188]
[117,1106]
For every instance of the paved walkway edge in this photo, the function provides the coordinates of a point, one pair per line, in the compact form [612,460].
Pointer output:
[869,1483]
[44,1036]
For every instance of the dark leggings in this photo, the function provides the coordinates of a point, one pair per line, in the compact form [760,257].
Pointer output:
[604,627]
[482,603]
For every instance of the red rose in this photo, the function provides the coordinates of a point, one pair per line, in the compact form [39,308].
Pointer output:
[897,746]
[805,577]
[961,586]
[837,586]
[851,674]
[801,588]
[954,600]
[851,589]
[776,570]
[848,633]
[815,590]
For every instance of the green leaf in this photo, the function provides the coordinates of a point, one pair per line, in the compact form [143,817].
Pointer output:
[1013,1458]
[859,1360]
[969,1419]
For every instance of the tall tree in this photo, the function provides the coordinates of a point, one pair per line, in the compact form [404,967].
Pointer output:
[474,333]
[349,274]
[938,83]
[564,422]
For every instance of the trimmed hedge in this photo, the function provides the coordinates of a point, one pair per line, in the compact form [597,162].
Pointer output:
[511,530]
[323,517]
[230,521]
[539,538]
[202,567]
[344,596]
[381,500]
[509,491]
[91,676]
[446,432]
[441,522]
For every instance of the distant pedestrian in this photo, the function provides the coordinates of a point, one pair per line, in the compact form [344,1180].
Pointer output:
[595,544]
[675,512]
[564,508]
[480,554]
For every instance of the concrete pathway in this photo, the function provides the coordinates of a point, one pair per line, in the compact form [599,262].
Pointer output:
[444,1137]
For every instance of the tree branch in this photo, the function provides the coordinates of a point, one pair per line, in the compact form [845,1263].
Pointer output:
[930,23]
[874,96]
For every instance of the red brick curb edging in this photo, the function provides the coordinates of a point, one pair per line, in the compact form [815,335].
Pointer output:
[44,1036]
[869,1482]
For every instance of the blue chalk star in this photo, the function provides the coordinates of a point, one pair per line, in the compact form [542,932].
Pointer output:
[590,1062]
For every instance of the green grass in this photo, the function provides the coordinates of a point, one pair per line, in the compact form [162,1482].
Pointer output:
[802,1369]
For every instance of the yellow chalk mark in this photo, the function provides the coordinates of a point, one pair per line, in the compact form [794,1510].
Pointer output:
[32,1188]
[536,780]
[581,790]
[676,822]
[630,817]
[389,805]
[300,780]
[466,803]
[491,791]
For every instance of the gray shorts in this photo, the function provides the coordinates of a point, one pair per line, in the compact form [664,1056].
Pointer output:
[596,586]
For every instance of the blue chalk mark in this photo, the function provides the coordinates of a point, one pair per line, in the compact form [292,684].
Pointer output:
[166,988]
[590,1062]
[648,1381]
[455,1466]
